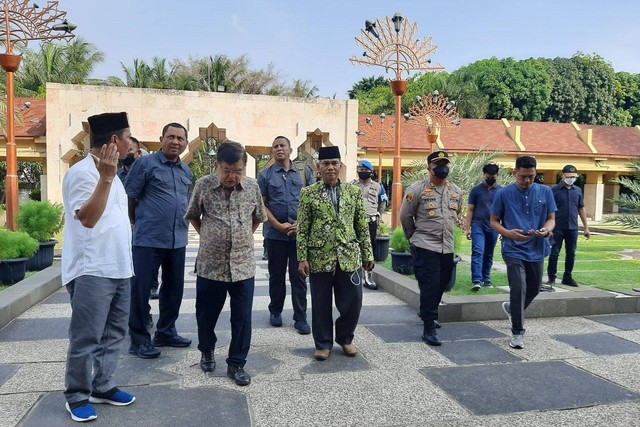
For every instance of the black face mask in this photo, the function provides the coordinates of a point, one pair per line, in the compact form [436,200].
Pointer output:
[364,175]
[490,181]
[441,171]
[128,161]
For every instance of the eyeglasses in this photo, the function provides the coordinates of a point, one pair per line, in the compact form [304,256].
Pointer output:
[236,172]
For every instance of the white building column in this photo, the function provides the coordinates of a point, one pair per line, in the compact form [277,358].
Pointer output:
[594,195]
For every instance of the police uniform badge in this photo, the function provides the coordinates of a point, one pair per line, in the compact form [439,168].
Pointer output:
[408,198]
[454,205]
[455,196]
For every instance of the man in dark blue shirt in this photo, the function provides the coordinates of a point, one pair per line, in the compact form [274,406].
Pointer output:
[483,237]
[570,204]
[523,213]
[158,190]
[280,185]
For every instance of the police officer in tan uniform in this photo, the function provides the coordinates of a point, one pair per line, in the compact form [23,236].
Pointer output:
[375,202]
[429,212]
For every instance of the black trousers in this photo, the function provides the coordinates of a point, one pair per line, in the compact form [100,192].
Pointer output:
[146,262]
[373,232]
[348,298]
[210,298]
[525,279]
[433,272]
[282,254]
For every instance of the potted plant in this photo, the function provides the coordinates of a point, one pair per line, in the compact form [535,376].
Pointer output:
[457,241]
[381,251]
[401,258]
[16,247]
[41,220]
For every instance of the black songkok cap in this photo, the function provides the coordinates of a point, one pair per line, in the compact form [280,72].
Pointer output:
[108,122]
[569,169]
[328,153]
[437,155]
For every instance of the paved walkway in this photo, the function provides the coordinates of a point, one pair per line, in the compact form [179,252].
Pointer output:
[575,371]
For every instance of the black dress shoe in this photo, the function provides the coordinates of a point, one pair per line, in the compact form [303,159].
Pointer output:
[371,286]
[174,341]
[144,351]
[207,362]
[570,282]
[237,374]
[275,320]
[431,338]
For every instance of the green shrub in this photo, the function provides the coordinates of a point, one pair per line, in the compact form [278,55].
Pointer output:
[17,244]
[457,240]
[399,242]
[41,220]
[35,195]
[383,230]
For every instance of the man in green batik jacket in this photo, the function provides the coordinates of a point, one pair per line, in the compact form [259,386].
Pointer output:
[333,245]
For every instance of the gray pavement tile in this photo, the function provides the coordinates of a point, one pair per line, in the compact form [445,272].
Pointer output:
[337,362]
[628,335]
[620,369]
[623,414]
[35,329]
[552,325]
[34,351]
[36,377]
[601,343]
[629,321]
[357,398]
[133,371]
[475,352]
[13,408]
[383,314]
[448,332]
[154,406]
[542,348]
[6,372]
[523,387]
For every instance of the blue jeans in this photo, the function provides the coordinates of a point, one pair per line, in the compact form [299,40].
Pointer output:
[483,242]
[570,238]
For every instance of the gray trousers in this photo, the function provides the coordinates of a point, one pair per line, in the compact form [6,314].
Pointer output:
[525,279]
[100,312]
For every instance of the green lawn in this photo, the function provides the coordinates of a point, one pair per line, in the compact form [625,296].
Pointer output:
[598,264]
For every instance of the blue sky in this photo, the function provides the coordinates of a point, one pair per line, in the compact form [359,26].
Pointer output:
[313,40]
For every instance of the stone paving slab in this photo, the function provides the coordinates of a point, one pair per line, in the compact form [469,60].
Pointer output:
[600,343]
[629,321]
[476,353]
[524,387]
[155,406]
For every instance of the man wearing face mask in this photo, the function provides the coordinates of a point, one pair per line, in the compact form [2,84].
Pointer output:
[133,154]
[375,202]
[429,212]
[483,237]
[570,202]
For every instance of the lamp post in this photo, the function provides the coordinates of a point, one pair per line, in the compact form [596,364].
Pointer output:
[382,129]
[436,112]
[391,44]
[24,23]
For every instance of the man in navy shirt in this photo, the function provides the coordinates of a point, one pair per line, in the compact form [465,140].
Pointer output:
[483,237]
[570,204]
[523,213]
[158,190]
[280,185]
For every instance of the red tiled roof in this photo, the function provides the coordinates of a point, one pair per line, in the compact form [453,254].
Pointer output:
[537,138]
[34,118]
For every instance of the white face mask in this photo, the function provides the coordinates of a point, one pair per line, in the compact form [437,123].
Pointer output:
[569,181]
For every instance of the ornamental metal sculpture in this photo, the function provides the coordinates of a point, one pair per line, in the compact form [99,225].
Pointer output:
[392,44]
[435,111]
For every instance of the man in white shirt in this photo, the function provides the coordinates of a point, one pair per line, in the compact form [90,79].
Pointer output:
[96,268]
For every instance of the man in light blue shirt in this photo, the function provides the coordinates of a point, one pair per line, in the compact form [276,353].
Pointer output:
[523,213]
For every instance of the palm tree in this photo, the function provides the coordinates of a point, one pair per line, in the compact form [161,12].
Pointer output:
[303,89]
[137,76]
[630,201]
[70,63]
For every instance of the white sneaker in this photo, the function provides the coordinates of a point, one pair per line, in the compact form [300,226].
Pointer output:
[506,307]
[517,341]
